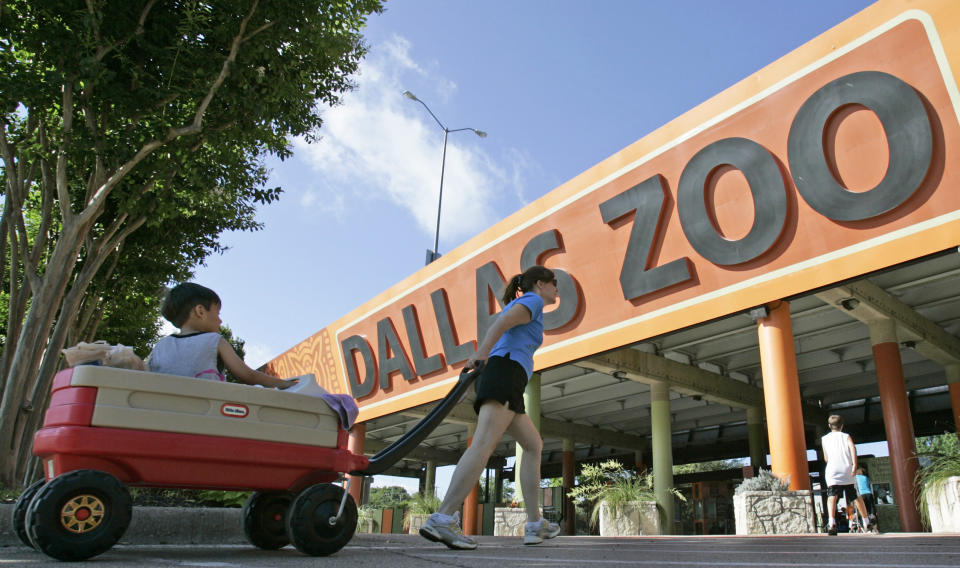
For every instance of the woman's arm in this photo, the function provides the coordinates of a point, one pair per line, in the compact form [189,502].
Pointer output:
[243,372]
[518,314]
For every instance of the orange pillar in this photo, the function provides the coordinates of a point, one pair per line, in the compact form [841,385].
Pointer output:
[781,395]
[355,440]
[953,381]
[896,421]
[470,503]
[569,474]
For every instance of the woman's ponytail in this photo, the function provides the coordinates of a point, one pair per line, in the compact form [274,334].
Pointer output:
[525,282]
[513,286]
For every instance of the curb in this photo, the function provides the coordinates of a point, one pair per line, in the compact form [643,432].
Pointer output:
[162,525]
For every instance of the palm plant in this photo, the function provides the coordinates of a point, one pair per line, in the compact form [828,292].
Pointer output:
[609,482]
[943,465]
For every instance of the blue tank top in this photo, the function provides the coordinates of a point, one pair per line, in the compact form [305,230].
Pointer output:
[863,485]
[521,341]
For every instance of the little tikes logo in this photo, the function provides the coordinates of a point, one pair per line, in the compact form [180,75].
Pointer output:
[234,410]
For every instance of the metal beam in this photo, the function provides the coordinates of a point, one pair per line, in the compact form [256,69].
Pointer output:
[873,303]
[648,368]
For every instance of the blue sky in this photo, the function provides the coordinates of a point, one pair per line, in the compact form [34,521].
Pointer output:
[557,85]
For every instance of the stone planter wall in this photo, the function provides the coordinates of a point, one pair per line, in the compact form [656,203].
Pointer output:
[413,522]
[943,504]
[636,518]
[766,512]
[509,521]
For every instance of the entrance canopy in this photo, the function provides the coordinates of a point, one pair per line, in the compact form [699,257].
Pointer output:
[827,179]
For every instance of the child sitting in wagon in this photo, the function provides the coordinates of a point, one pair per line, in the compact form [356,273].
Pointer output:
[193,352]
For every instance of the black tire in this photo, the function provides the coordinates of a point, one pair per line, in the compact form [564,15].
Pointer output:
[265,519]
[79,515]
[308,521]
[20,512]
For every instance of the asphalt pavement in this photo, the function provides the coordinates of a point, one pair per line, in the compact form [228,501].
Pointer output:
[403,551]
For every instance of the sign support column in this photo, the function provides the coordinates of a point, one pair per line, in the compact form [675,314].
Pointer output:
[569,475]
[755,438]
[781,395]
[662,447]
[355,440]
[953,382]
[470,503]
[896,420]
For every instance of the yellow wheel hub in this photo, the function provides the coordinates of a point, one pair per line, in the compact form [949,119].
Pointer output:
[82,514]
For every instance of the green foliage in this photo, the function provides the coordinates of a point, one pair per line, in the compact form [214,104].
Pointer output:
[715,465]
[232,499]
[421,504]
[940,460]
[364,514]
[609,482]
[507,492]
[133,135]
[238,346]
[764,481]
[388,497]
[8,495]
[167,497]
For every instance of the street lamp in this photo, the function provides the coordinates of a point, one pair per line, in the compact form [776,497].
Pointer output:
[434,254]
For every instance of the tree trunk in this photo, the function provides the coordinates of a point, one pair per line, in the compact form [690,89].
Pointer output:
[29,347]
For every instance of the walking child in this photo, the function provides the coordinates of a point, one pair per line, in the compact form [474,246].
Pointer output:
[841,456]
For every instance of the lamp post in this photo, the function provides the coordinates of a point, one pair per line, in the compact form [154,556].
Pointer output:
[435,253]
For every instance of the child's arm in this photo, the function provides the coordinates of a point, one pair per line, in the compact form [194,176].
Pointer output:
[243,372]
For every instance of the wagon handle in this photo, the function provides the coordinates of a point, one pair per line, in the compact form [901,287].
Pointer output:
[403,446]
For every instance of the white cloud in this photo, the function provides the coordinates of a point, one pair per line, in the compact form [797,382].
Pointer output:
[380,145]
[256,354]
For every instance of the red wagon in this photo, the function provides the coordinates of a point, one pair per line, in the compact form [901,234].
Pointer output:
[108,428]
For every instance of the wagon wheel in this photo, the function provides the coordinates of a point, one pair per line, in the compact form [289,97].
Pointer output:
[310,521]
[264,519]
[20,512]
[78,515]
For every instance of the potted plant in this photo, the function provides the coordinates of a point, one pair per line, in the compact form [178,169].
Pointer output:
[764,504]
[624,503]
[939,485]
[419,508]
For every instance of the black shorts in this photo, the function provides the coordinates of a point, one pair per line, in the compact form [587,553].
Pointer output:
[849,492]
[504,381]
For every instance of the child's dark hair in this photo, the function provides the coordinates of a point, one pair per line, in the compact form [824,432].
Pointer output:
[184,297]
[525,282]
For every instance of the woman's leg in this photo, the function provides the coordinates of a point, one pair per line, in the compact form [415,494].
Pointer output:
[492,421]
[526,434]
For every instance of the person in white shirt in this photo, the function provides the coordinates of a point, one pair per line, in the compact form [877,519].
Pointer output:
[841,457]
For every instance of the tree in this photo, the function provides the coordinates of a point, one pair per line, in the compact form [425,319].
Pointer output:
[134,131]
[387,497]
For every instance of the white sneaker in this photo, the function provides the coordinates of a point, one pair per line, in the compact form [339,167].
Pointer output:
[534,533]
[447,530]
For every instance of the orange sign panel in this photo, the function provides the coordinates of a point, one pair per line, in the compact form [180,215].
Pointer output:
[839,159]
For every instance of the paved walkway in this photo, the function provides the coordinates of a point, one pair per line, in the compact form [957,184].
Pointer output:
[403,551]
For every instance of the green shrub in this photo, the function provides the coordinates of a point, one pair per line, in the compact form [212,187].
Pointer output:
[764,481]
[421,504]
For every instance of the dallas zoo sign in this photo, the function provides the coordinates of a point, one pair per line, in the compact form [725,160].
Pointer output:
[827,165]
